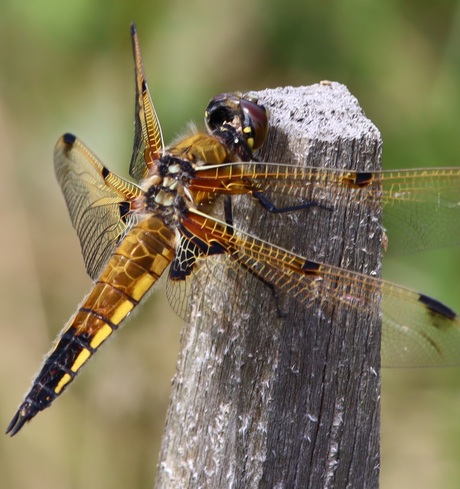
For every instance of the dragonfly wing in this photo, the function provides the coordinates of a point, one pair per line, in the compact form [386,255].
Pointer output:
[187,261]
[421,207]
[101,204]
[417,330]
[148,139]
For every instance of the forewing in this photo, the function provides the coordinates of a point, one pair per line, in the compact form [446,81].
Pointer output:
[417,330]
[148,140]
[101,204]
[421,207]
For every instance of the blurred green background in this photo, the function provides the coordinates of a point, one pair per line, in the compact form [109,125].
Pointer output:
[67,67]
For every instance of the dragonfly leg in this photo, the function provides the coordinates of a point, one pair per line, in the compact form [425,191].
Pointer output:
[228,212]
[270,206]
[279,311]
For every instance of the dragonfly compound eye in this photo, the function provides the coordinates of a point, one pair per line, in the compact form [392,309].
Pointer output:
[222,109]
[255,122]
[243,113]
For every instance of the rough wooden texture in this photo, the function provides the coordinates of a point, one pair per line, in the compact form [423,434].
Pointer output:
[285,402]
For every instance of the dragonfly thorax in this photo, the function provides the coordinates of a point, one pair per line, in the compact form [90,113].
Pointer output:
[166,191]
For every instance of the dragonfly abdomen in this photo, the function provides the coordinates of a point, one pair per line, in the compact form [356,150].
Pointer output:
[139,261]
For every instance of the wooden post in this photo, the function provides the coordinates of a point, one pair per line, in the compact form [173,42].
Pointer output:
[266,401]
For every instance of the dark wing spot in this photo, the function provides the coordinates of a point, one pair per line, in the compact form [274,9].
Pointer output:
[124,208]
[190,249]
[437,307]
[310,266]
[363,178]
[69,138]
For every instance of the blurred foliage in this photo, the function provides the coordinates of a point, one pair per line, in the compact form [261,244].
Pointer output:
[68,67]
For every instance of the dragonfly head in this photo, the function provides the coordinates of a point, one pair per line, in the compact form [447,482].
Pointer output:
[243,113]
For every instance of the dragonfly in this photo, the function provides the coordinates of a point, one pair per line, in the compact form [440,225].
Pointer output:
[130,233]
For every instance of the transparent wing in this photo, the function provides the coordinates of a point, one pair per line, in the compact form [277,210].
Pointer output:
[190,251]
[421,207]
[417,330]
[148,140]
[101,204]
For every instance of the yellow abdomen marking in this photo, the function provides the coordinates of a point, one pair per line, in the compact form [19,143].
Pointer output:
[142,286]
[80,360]
[121,312]
[101,335]
[66,378]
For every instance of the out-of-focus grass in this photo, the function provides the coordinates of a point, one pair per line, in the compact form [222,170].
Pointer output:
[70,69]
